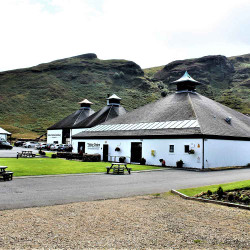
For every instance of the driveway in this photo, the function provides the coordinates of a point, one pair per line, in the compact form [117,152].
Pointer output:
[43,191]
[11,153]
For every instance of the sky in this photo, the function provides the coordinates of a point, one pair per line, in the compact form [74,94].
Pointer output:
[148,32]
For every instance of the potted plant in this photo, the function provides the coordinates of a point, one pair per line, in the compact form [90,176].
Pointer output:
[191,151]
[163,163]
[179,164]
[143,161]
[122,159]
[117,149]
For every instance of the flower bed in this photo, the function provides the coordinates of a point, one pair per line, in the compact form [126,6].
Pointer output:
[239,196]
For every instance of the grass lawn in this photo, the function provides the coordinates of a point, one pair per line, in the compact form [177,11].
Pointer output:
[49,166]
[226,187]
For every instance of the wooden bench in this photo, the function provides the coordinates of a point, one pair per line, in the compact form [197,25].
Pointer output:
[7,175]
[108,169]
[26,154]
[118,170]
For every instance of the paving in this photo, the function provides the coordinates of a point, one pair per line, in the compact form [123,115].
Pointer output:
[12,153]
[54,190]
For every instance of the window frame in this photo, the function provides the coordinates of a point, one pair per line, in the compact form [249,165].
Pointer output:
[171,148]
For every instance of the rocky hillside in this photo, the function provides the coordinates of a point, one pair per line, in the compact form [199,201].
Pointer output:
[227,80]
[33,99]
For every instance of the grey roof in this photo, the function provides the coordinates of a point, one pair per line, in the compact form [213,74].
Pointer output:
[178,107]
[76,117]
[105,114]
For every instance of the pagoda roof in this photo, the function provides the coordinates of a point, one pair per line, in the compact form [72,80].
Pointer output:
[186,78]
[114,96]
[85,101]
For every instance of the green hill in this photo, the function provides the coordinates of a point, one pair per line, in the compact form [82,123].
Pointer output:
[33,99]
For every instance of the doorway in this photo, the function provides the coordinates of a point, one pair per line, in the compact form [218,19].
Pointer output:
[105,152]
[136,151]
[81,147]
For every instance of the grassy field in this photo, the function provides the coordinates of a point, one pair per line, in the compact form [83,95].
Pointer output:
[226,187]
[49,166]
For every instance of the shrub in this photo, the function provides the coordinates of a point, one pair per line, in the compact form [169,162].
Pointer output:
[54,156]
[122,159]
[230,196]
[41,152]
[246,199]
[209,192]
[220,192]
[116,75]
[143,161]
[117,149]
[164,93]
[91,157]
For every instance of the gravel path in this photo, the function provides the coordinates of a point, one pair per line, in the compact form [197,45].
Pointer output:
[137,222]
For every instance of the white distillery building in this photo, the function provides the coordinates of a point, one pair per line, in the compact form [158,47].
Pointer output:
[85,117]
[183,126]
[4,134]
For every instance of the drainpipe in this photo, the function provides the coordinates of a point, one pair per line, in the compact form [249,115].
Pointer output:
[203,159]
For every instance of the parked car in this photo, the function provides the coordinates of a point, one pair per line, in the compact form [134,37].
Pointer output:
[30,144]
[48,145]
[5,145]
[65,148]
[54,147]
[41,146]
[18,143]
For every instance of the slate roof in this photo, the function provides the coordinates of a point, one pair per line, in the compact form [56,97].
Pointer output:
[178,107]
[76,117]
[105,114]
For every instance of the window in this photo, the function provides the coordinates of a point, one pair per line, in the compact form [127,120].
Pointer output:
[186,148]
[171,148]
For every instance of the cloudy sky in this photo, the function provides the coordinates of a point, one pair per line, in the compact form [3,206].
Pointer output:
[148,32]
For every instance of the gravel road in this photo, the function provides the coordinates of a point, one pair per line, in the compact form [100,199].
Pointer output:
[56,190]
[138,222]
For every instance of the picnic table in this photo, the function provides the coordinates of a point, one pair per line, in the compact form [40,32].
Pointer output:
[118,168]
[7,175]
[26,154]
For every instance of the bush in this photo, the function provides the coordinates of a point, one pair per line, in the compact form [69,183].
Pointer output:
[143,161]
[41,152]
[220,192]
[91,157]
[230,196]
[164,93]
[54,156]
[209,192]
[122,159]
[246,199]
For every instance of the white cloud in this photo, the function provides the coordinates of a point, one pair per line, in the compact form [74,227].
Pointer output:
[149,32]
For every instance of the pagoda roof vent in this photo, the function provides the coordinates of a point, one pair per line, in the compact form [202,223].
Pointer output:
[85,103]
[186,83]
[113,100]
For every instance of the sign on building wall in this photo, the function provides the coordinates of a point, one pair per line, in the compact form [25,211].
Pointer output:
[54,136]
[92,146]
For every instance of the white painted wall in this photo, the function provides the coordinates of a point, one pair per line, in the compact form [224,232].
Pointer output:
[226,153]
[3,137]
[54,135]
[160,146]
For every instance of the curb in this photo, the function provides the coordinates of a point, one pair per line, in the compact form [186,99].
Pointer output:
[210,201]
[82,174]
